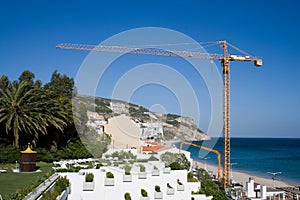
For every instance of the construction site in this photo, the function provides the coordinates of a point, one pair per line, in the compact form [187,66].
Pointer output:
[225,58]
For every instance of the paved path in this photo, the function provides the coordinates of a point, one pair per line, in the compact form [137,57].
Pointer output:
[42,188]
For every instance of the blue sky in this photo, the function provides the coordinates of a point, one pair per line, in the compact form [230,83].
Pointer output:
[265,101]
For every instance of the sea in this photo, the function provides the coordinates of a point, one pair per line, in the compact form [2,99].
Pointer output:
[256,156]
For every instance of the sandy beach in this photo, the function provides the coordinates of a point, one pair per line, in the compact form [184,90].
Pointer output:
[242,178]
[125,132]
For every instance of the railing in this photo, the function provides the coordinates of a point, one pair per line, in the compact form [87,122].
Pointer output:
[42,188]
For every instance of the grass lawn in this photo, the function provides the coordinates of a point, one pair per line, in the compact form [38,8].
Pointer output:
[11,182]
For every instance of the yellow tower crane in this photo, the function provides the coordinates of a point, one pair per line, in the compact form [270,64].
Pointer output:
[225,59]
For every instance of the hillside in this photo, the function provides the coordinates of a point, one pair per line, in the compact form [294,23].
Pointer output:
[175,127]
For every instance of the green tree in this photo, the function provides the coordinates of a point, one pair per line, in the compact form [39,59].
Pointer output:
[4,82]
[30,110]
[179,160]
[208,187]
[27,76]
[61,84]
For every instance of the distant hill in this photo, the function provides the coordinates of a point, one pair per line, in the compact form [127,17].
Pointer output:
[175,127]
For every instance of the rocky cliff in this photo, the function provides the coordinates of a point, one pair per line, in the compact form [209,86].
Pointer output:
[175,127]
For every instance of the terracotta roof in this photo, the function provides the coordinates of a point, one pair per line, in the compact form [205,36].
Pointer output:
[155,148]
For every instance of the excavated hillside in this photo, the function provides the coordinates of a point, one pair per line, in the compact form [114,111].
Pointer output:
[175,127]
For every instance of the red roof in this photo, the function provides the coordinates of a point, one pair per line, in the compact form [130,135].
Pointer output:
[155,148]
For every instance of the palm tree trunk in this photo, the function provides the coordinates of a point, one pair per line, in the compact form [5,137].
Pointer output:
[16,143]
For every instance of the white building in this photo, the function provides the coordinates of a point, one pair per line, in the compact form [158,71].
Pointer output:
[173,184]
[115,189]
[255,191]
[151,130]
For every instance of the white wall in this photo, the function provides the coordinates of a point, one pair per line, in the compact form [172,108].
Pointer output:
[250,188]
[134,187]
[263,192]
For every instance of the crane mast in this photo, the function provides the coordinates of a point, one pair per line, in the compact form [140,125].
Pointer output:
[224,58]
[226,114]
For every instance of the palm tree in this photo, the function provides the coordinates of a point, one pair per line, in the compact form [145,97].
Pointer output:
[28,109]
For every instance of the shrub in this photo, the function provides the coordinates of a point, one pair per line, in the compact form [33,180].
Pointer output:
[196,192]
[169,186]
[127,173]
[127,169]
[144,193]
[98,166]
[155,167]
[109,175]
[157,188]
[131,161]
[69,169]
[173,122]
[142,168]
[178,181]
[127,196]
[142,160]
[9,154]
[208,187]
[44,155]
[74,149]
[175,166]
[172,116]
[63,170]
[61,184]
[152,158]
[121,155]
[89,177]
[191,178]
[180,158]
[190,175]
[49,195]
